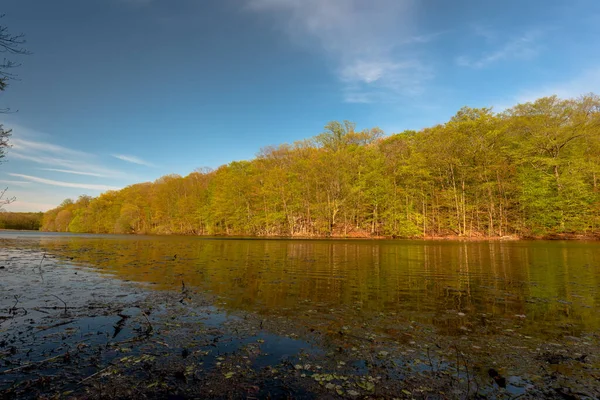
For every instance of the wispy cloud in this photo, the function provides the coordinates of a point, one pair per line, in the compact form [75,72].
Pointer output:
[523,47]
[65,184]
[69,171]
[35,146]
[366,82]
[429,37]
[65,159]
[366,41]
[132,159]
[13,182]
[37,151]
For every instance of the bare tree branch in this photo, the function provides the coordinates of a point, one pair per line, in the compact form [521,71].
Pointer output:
[10,44]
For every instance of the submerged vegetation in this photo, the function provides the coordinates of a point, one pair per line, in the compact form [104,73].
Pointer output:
[184,318]
[531,170]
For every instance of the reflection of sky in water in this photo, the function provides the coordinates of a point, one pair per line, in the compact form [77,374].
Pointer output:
[101,314]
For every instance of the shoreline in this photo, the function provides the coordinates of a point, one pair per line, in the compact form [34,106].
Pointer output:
[473,238]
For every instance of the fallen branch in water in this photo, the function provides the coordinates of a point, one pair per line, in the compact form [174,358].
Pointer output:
[429,358]
[467,361]
[120,324]
[8,371]
[468,375]
[184,292]
[55,325]
[66,312]
[94,374]
[150,328]
[40,267]
[13,310]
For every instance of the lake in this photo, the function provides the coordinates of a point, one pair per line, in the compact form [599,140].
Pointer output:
[479,293]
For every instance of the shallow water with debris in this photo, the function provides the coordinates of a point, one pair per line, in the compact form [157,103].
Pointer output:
[100,316]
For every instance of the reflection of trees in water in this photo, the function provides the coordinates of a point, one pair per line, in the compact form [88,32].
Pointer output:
[421,280]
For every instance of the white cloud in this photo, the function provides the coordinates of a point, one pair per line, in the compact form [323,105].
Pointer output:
[424,38]
[12,182]
[132,159]
[52,155]
[34,150]
[522,47]
[35,146]
[69,171]
[64,184]
[369,72]
[361,38]
[367,82]
[45,160]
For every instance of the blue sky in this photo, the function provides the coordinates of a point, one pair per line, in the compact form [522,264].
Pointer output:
[117,92]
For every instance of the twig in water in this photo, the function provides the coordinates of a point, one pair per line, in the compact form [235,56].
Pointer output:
[184,292]
[120,324]
[94,374]
[457,366]
[466,361]
[13,310]
[150,327]
[8,371]
[41,329]
[429,358]
[40,267]
[468,376]
[457,362]
[66,312]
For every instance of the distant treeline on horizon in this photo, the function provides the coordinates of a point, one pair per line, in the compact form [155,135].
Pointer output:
[530,170]
[21,220]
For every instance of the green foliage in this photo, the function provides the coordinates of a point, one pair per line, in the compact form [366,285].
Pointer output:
[532,169]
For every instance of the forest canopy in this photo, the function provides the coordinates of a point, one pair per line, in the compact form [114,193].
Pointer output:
[530,170]
[21,220]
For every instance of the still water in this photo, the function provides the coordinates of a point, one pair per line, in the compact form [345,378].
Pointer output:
[550,287]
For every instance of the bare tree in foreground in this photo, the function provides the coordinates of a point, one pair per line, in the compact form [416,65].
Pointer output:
[10,44]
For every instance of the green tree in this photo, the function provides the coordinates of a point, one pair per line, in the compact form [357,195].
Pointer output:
[530,170]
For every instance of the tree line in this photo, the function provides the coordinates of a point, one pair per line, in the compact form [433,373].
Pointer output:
[530,170]
[21,220]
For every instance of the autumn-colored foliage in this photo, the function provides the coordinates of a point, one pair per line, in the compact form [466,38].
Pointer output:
[21,220]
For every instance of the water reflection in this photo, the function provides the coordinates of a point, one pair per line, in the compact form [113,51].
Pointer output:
[547,287]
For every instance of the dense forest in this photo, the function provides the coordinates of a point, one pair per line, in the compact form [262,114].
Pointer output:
[530,170]
[21,220]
